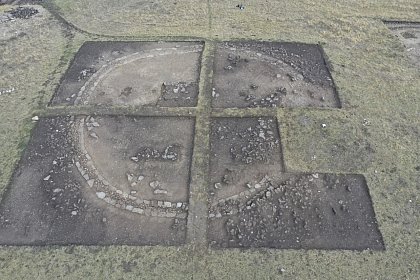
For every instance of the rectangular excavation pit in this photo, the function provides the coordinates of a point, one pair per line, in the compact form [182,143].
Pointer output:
[269,74]
[296,211]
[99,181]
[240,150]
[409,35]
[162,74]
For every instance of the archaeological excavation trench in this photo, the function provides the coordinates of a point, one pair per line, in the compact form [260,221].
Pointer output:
[105,178]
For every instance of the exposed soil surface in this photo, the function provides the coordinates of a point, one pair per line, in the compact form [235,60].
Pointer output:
[99,179]
[133,73]
[242,149]
[78,183]
[253,203]
[299,211]
[262,74]
[409,34]
[141,155]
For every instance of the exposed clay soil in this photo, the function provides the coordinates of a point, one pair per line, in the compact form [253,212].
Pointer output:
[297,211]
[99,180]
[262,74]
[242,149]
[132,73]
[62,192]
[254,203]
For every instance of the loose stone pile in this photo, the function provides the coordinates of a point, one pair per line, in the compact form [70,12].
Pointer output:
[255,143]
[86,73]
[23,12]
[148,153]
[270,100]
[235,203]
[7,90]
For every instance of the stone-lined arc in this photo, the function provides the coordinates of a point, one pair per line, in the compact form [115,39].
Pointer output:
[113,195]
[272,59]
[90,85]
[254,191]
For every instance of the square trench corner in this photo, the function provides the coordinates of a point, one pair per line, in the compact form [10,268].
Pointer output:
[255,203]
[101,181]
[164,74]
[272,74]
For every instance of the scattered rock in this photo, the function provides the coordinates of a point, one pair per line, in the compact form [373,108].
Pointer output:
[138,210]
[100,195]
[159,191]
[255,144]
[147,153]
[214,94]
[91,182]
[127,91]
[282,270]
[86,73]
[7,91]
[23,12]
[154,184]
[268,100]
[240,6]
[408,35]
[94,135]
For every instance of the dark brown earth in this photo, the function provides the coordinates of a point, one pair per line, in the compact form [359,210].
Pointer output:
[242,149]
[266,74]
[132,73]
[297,211]
[100,180]
[253,203]
[78,184]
